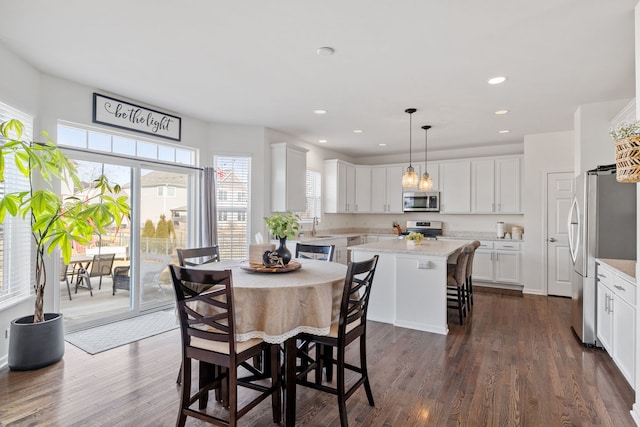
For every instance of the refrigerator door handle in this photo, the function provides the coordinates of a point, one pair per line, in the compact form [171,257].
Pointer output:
[573,229]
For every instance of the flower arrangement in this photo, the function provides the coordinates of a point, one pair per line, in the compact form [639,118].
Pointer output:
[416,237]
[627,138]
[625,130]
[283,224]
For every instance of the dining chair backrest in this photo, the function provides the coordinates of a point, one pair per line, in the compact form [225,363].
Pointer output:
[320,252]
[207,314]
[472,247]
[355,296]
[198,256]
[460,271]
[101,265]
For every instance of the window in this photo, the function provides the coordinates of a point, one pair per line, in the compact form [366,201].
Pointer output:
[74,135]
[166,191]
[232,182]
[15,233]
[314,196]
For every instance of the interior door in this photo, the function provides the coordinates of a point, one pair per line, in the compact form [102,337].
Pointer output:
[560,192]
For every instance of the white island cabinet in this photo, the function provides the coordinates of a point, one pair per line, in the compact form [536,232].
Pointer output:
[409,287]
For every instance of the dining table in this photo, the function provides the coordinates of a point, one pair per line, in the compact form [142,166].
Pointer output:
[78,263]
[276,305]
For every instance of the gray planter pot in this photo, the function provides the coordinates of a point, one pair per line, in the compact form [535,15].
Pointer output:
[36,345]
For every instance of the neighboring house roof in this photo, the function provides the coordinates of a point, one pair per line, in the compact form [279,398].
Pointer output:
[158,178]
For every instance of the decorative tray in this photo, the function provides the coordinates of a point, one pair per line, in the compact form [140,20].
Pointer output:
[260,268]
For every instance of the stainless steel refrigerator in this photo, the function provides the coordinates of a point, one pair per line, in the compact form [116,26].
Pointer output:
[602,224]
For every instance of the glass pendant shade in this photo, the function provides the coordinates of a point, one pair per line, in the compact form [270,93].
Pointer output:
[410,177]
[426,184]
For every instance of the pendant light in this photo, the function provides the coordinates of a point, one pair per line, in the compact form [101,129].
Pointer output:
[426,184]
[410,177]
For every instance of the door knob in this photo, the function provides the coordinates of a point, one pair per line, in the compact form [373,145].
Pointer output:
[551,239]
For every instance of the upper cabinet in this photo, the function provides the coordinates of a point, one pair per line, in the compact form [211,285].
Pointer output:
[362,189]
[339,187]
[288,177]
[455,187]
[386,185]
[482,186]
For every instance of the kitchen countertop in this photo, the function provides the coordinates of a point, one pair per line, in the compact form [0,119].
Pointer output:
[436,248]
[624,266]
[324,235]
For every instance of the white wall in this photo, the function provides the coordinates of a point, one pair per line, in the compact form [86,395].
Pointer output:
[537,162]
[593,145]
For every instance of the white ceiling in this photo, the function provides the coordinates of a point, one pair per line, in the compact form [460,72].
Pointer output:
[255,62]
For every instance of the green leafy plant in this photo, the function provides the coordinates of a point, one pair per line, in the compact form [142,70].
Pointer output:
[418,237]
[283,225]
[56,222]
[625,130]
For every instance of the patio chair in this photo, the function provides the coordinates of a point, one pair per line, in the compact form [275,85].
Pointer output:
[101,265]
[121,279]
[151,266]
[64,276]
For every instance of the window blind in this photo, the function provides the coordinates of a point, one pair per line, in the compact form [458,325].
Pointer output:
[16,242]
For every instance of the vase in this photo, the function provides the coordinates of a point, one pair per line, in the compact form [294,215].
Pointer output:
[36,345]
[411,244]
[284,252]
[628,159]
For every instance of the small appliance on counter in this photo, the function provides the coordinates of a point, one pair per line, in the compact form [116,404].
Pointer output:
[516,232]
[429,229]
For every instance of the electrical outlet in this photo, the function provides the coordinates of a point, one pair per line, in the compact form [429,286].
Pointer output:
[423,265]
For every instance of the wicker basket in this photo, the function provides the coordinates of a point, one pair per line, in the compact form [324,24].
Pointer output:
[628,159]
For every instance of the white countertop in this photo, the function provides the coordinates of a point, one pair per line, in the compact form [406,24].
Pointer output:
[624,266]
[437,248]
[467,235]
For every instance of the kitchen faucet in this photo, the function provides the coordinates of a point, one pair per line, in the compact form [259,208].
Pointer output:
[313,228]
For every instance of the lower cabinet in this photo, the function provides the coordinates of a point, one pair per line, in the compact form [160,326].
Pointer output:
[497,262]
[616,319]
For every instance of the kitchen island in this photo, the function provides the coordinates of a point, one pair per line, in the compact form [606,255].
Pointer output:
[409,288]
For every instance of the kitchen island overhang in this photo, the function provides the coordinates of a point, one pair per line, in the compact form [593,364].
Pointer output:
[410,286]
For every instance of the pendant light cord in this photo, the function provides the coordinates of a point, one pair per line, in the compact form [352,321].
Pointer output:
[410,111]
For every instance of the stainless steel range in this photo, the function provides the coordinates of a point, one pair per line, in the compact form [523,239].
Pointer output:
[429,229]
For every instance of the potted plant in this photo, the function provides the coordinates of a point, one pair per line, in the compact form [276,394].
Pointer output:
[627,138]
[281,226]
[414,239]
[37,341]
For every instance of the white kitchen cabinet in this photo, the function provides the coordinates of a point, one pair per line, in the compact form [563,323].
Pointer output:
[288,178]
[362,187]
[482,186]
[508,185]
[495,185]
[616,319]
[455,187]
[497,262]
[386,189]
[339,186]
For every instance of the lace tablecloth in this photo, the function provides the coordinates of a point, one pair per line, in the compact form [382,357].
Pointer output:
[278,306]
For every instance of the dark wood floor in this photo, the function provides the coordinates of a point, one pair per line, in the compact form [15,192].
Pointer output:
[515,363]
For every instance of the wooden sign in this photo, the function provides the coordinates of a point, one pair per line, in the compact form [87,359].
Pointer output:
[125,115]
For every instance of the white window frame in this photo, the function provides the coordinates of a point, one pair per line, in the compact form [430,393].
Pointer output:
[313,194]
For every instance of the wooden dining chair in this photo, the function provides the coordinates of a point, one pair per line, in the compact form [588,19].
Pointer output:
[198,256]
[320,252]
[207,325]
[351,326]
[101,265]
[194,257]
[456,282]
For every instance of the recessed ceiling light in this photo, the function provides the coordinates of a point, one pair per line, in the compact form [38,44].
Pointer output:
[382,145]
[325,51]
[319,112]
[322,141]
[497,80]
[358,131]
[501,112]
[504,131]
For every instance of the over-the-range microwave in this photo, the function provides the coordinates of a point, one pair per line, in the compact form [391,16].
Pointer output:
[421,201]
